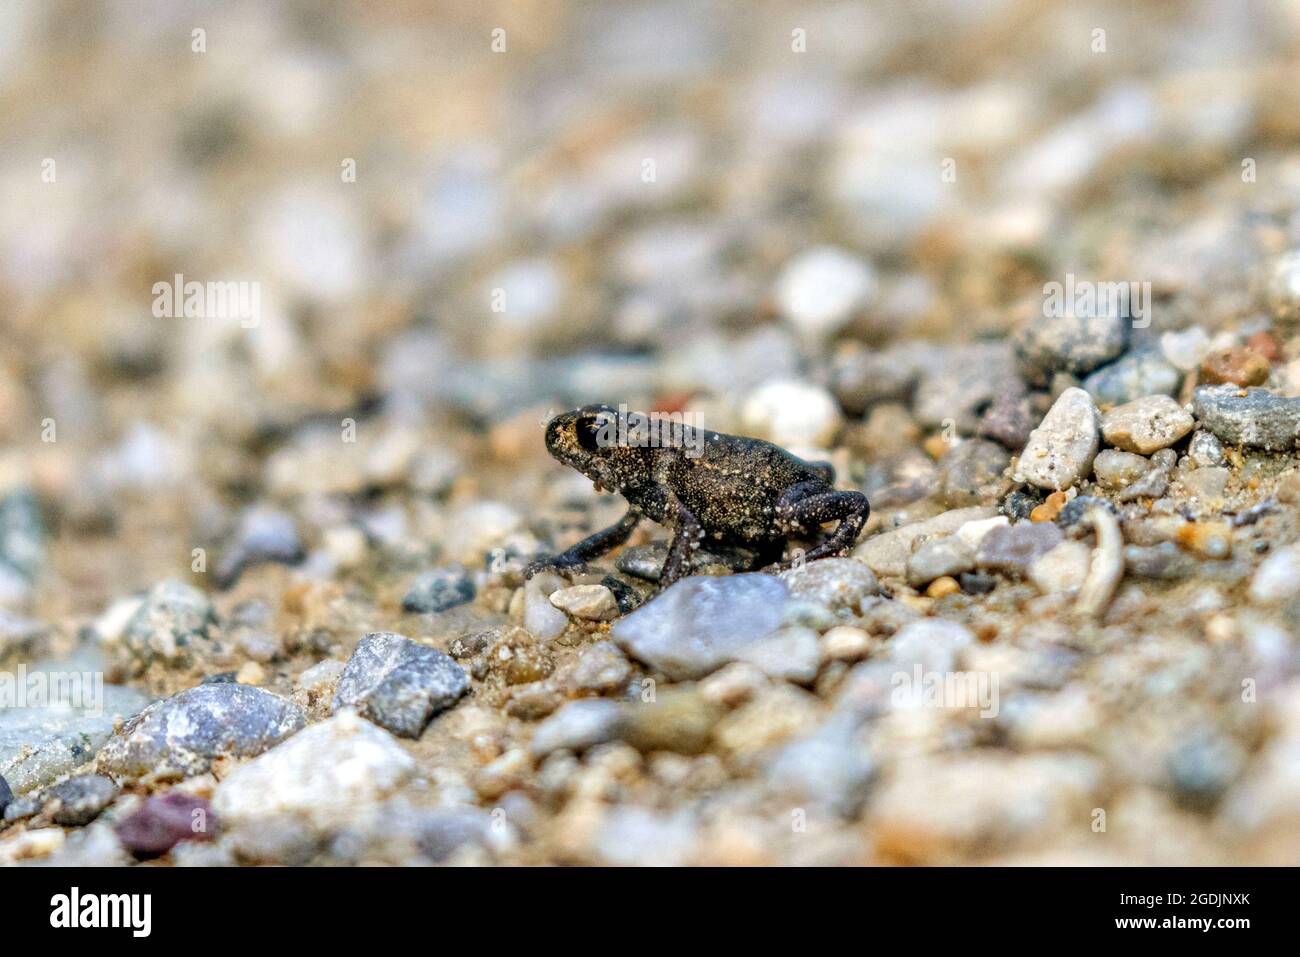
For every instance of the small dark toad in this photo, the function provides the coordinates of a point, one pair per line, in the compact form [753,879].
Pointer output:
[705,486]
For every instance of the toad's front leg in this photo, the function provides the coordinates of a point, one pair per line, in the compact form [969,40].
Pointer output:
[591,547]
[687,536]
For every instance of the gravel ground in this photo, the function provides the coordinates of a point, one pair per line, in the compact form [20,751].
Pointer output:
[1027,275]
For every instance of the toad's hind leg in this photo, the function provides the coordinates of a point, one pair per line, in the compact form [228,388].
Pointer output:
[809,504]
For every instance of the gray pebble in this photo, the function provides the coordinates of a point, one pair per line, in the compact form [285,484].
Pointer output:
[1201,768]
[788,654]
[176,623]
[6,795]
[1076,510]
[399,684]
[1070,343]
[264,535]
[962,382]
[1258,418]
[1163,562]
[861,377]
[1153,484]
[577,726]
[699,623]
[1009,420]
[829,767]
[182,735]
[971,473]
[1011,549]
[939,557]
[835,583]
[601,668]
[79,800]
[439,589]
[1141,373]
[22,534]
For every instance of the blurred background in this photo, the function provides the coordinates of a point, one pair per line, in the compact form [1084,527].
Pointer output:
[459,213]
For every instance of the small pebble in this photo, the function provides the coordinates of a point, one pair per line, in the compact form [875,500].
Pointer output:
[845,643]
[1162,562]
[942,587]
[182,735]
[1077,508]
[176,623]
[1141,373]
[399,684]
[1153,484]
[791,414]
[1205,450]
[264,535]
[1061,570]
[541,618]
[1284,287]
[1012,550]
[1115,469]
[822,289]
[1076,344]
[1207,484]
[439,589]
[835,583]
[1050,507]
[1236,365]
[1187,348]
[588,602]
[1060,451]
[788,654]
[163,821]
[972,473]
[1277,578]
[601,668]
[80,799]
[938,558]
[1146,425]
[1008,420]
[678,719]
[577,726]
[1211,540]
[1253,417]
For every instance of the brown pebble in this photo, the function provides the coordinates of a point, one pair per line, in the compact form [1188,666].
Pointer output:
[1237,365]
[1288,487]
[945,585]
[1049,509]
[935,446]
[1267,345]
[1207,539]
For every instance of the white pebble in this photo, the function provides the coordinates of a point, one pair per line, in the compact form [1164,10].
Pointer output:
[820,290]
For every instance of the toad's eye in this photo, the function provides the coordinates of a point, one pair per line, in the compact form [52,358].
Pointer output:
[589,430]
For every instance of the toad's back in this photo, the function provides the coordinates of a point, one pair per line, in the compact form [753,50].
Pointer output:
[731,483]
